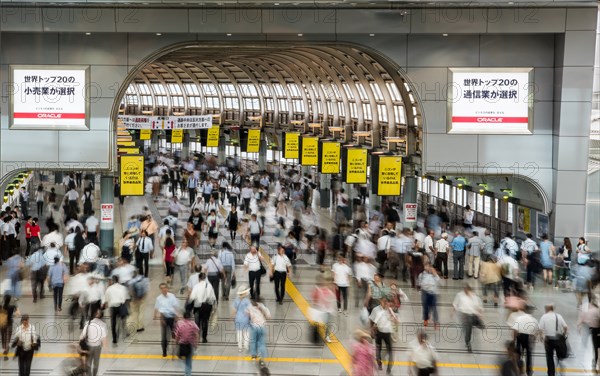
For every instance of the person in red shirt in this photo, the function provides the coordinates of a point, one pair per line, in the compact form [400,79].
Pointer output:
[169,247]
[186,336]
[32,233]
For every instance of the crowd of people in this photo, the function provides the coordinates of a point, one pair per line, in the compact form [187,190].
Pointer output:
[364,258]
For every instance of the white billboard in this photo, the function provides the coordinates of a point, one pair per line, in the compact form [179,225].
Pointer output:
[490,100]
[167,122]
[49,97]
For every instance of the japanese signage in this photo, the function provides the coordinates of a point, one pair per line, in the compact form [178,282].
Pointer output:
[106,213]
[166,122]
[177,136]
[123,150]
[309,151]
[135,122]
[410,212]
[389,175]
[490,100]
[49,97]
[523,219]
[132,175]
[193,122]
[127,144]
[291,145]
[212,136]
[145,134]
[355,166]
[253,143]
[329,161]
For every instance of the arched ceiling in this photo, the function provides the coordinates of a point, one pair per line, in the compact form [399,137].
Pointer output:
[340,86]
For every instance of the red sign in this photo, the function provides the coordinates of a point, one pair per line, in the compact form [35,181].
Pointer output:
[410,212]
[489,119]
[106,213]
[47,115]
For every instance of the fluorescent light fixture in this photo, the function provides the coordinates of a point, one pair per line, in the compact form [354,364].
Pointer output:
[395,139]
[300,34]
[228,34]
[88,33]
[371,35]
[159,34]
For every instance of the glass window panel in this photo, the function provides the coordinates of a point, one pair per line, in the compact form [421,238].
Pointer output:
[376,91]
[191,89]
[177,101]
[459,196]
[212,102]
[510,213]
[131,89]
[349,92]
[487,205]
[131,99]
[434,188]
[426,185]
[232,103]
[269,104]
[266,90]
[447,190]
[251,103]
[479,203]
[496,208]
[209,89]
[159,88]
[329,107]
[174,88]
[298,105]
[400,114]
[293,88]
[279,90]
[361,91]
[161,101]
[319,107]
[248,90]
[382,113]
[353,110]
[143,88]
[367,111]
[336,90]
[393,90]
[147,100]
[283,105]
[228,89]
[195,102]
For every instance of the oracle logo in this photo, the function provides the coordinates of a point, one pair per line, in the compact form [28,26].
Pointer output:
[489,120]
[49,116]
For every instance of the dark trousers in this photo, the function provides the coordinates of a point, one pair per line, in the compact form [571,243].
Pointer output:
[202,315]
[28,247]
[37,281]
[524,345]
[342,292]
[166,323]
[550,346]
[214,281]
[40,209]
[115,316]
[142,263]
[247,205]
[507,286]
[92,237]
[254,281]
[459,264]
[73,260]
[192,194]
[25,359]
[429,302]
[442,263]
[5,335]
[58,296]
[279,279]
[255,239]
[387,338]
[595,332]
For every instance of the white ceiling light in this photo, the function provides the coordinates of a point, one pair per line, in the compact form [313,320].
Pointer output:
[159,34]
[88,33]
[300,35]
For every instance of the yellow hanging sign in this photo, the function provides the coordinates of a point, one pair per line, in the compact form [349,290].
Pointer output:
[330,157]
[132,175]
[309,155]
[127,144]
[356,166]
[128,150]
[145,134]
[212,136]
[291,146]
[389,176]
[177,136]
[253,145]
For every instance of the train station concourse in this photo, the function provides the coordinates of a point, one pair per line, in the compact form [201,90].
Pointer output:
[343,187]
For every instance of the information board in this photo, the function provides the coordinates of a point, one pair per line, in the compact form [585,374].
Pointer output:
[145,134]
[410,212]
[490,100]
[329,161]
[49,97]
[212,136]
[177,136]
[291,145]
[387,170]
[253,143]
[131,171]
[106,213]
[355,166]
[309,151]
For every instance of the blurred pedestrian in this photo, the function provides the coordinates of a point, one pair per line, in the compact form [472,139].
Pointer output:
[259,314]
[469,309]
[423,357]
[95,334]
[26,342]
[186,337]
[363,354]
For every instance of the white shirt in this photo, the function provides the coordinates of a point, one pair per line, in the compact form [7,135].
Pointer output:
[163,231]
[183,256]
[252,262]
[428,243]
[341,274]
[72,195]
[26,336]
[94,293]
[467,304]
[70,241]
[202,293]
[144,245]
[50,254]
[423,355]
[77,284]
[383,319]
[529,245]
[53,237]
[441,246]
[91,223]
[384,243]
[247,192]
[548,323]
[364,271]
[281,263]
[115,295]
[403,244]
[89,253]
[125,273]
[468,217]
[254,227]
[526,324]
[96,332]
[193,281]
[73,224]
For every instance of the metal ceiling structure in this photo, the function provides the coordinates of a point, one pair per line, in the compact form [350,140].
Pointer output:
[335,86]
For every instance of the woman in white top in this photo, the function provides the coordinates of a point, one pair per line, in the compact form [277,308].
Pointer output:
[212,225]
[40,197]
[252,263]
[95,334]
[280,267]
[234,193]
[25,340]
[182,258]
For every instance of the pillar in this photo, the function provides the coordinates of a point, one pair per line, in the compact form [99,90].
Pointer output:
[185,147]
[410,196]
[221,156]
[325,191]
[107,213]
[262,156]
[154,142]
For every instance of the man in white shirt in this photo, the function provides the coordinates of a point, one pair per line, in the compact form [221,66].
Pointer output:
[364,273]
[203,297]
[246,196]
[525,328]
[428,245]
[382,319]
[509,245]
[53,237]
[51,252]
[92,228]
[341,277]
[441,255]
[403,245]
[227,258]
[552,325]
[214,270]
[124,271]
[280,265]
[114,299]
[89,254]
[470,309]
[474,248]
[384,244]
[145,248]
[255,229]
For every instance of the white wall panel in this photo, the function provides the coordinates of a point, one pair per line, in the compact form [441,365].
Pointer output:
[569,221]
[581,19]
[578,48]
[542,117]
[525,50]
[443,152]
[572,153]
[100,110]
[449,20]
[29,48]
[521,150]
[526,20]
[79,19]
[29,146]
[106,80]
[235,20]
[298,20]
[152,20]
[95,151]
[21,19]
[377,21]
[100,49]
[439,51]
[574,118]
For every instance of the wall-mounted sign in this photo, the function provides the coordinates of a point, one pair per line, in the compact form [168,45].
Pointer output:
[410,212]
[135,122]
[291,146]
[177,136]
[212,136]
[253,143]
[355,165]
[329,157]
[490,100]
[132,175]
[166,122]
[49,97]
[145,134]
[106,213]
[386,171]
[309,151]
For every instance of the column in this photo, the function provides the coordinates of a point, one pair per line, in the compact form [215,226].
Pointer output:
[106,215]
[325,191]
[221,156]
[262,156]
[185,147]
[154,142]
[409,196]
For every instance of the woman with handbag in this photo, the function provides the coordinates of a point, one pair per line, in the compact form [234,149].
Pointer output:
[186,336]
[26,342]
[93,337]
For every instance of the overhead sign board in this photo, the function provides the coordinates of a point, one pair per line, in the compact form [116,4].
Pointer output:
[309,151]
[145,134]
[166,122]
[355,165]
[132,175]
[387,172]
[177,136]
[291,145]
[253,143]
[212,136]
[49,97]
[330,156]
[490,100]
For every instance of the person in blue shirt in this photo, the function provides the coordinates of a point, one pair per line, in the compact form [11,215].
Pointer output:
[458,254]
[37,263]
[166,308]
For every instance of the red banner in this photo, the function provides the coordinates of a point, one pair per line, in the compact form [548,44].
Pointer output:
[47,115]
[489,119]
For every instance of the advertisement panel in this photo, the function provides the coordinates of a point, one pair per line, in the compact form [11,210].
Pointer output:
[132,175]
[145,134]
[490,100]
[177,136]
[309,154]
[253,145]
[329,162]
[291,145]
[212,136]
[49,97]
[389,182]
[355,166]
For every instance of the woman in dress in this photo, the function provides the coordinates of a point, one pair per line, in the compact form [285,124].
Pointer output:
[547,258]
[232,222]
[191,236]
[242,319]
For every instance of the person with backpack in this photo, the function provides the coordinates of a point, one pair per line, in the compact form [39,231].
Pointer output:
[87,199]
[8,312]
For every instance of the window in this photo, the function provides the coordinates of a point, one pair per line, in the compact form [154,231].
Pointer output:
[459,197]
[496,208]
[269,104]
[341,109]
[329,108]
[248,90]
[349,92]
[298,105]
[293,88]
[361,91]
[434,188]
[319,106]
[131,99]
[376,91]
[283,105]
[367,111]
[266,90]
[393,90]
[143,88]
[212,102]
[279,90]
[447,191]
[229,90]
[400,115]
[487,205]
[174,89]
[177,101]
[426,185]
[251,104]
[510,213]
[195,102]
[147,100]
[232,103]
[479,203]
[191,89]
[161,101]
[209,89]
[353,110]
[382,113]
[159,89]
